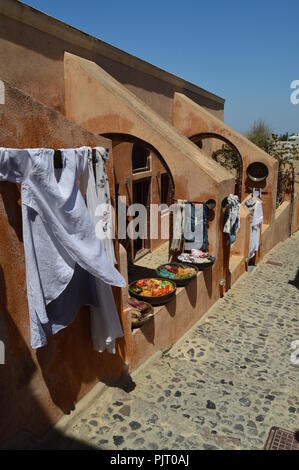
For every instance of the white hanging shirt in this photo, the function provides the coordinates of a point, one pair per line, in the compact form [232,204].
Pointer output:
[179,221]
[60,243]
[255,207]
[104,319]
[104,219]
[255,230]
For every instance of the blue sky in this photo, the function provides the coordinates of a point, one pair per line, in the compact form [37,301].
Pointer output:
[246,52]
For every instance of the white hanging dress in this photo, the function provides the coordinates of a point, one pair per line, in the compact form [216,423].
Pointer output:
[105,323]
[61,247]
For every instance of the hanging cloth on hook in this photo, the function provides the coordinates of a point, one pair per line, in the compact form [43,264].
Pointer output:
[232,218]
[254,205]
[99,202]
[59,236]
[105,324]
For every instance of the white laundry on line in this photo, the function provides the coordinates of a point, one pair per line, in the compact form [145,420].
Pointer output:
[105,324]
[61,247]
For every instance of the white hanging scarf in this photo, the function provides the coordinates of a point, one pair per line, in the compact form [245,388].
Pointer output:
[105,324]
[105,227]
[179,222]
[255,207]
[61,247]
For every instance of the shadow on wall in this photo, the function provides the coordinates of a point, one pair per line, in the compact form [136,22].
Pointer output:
[11,197]
[65,367]
[17,399]
[192,292]
[15,377]
[208,278]
[62,369]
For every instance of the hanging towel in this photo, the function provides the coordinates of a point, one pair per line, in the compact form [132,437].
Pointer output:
[105,324]
[105,223]
[193,226]
[61,247]
[254,205]
[199,216]
[205,241]
[178,227]
[232,217]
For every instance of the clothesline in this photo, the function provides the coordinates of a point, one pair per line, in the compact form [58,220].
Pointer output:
[58,158]
[67,264]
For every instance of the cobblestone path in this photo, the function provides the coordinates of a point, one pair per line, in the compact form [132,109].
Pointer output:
[225,384]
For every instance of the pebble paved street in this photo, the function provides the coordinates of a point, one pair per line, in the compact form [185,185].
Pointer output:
[225,384]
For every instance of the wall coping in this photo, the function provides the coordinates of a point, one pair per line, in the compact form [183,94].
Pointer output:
[47,24]
[166,131]
[283,206]
[225,128]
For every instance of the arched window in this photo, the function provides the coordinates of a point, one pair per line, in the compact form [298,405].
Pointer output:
[165,188]
[140,158]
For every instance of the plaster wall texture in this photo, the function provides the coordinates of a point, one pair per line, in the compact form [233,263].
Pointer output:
[195,177]
[37,387]
[111,92]
[32,48]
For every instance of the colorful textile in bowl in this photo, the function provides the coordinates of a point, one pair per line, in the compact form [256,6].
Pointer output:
[190,258]
[152,287]
[176,272]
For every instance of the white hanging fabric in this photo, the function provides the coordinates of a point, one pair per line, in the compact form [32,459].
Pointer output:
[178,229]
[105,324]
[254,205]
[105,222]
[61,247]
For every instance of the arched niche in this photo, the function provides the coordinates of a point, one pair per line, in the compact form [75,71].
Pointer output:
[227,153]
[143,177]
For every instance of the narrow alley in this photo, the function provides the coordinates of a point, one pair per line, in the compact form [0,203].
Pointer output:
[224,385]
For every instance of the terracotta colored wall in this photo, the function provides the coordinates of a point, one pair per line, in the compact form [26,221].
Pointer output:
[36,388]
[32,49]
[100,104]
[53,379]
[172,320]
[195,176]
[241,245]
[295,218]
[278,231]
[192,119]
[281,223]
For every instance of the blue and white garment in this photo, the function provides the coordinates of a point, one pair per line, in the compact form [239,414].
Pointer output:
[104,319]
[61,247]
[196,226]
[178,225]
[232,214]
